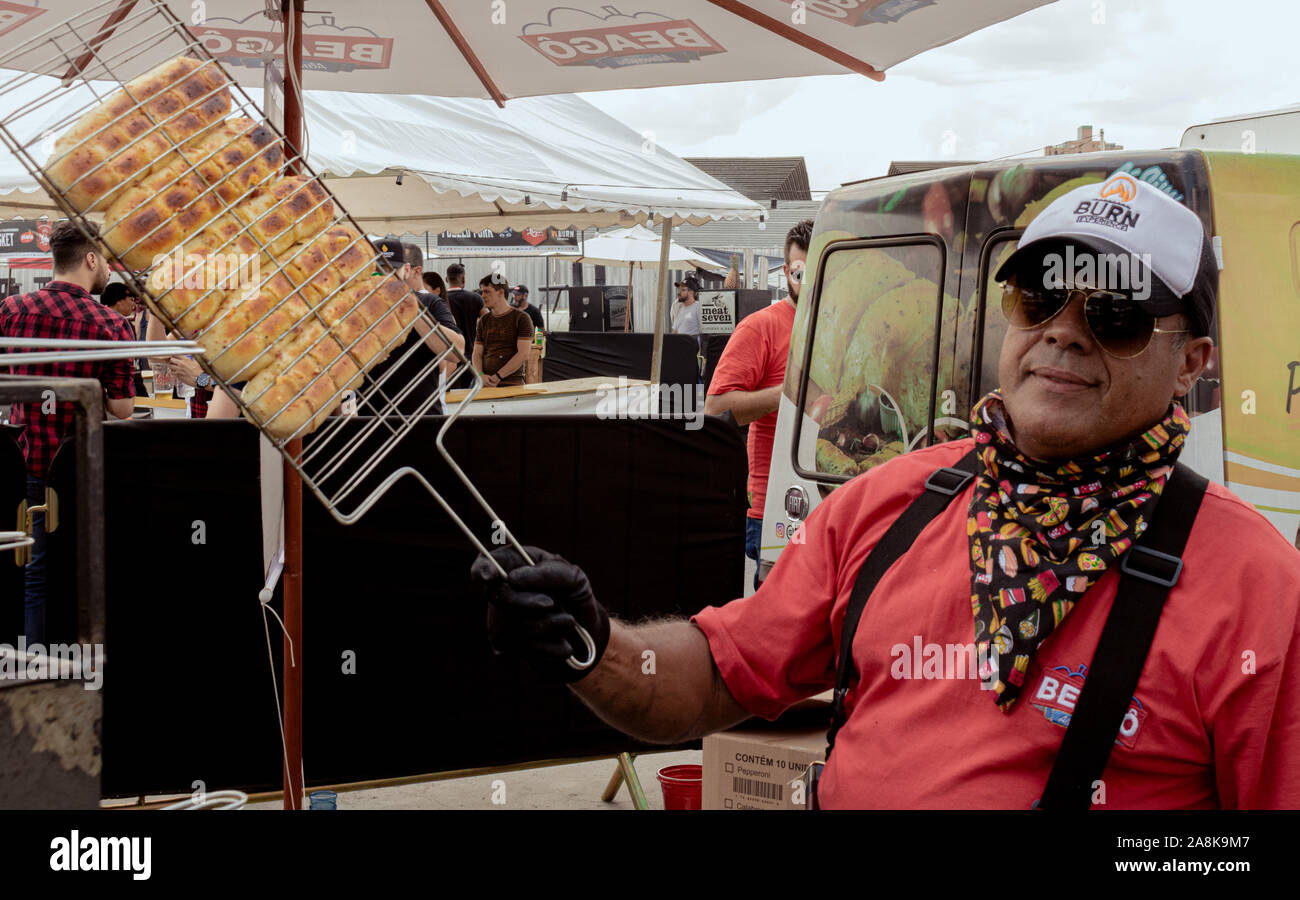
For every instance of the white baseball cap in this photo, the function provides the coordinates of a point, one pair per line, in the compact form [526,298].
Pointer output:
[1127,217]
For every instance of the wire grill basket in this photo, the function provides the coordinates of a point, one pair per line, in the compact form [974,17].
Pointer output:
[68,69]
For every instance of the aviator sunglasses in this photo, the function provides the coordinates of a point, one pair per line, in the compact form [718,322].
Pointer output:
[1116,321]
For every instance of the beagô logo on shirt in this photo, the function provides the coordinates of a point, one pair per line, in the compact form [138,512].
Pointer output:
[1058,691]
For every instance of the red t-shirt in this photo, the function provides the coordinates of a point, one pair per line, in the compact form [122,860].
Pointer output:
[1215,720]
[755,359]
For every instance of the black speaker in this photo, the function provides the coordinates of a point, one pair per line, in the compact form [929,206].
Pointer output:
[587,308]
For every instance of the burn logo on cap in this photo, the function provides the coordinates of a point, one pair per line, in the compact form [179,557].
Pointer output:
[1112,207]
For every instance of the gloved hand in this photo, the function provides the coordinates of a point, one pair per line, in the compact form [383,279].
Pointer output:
[533,612]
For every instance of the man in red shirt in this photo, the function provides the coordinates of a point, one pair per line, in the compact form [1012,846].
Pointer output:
[749,376]
[63,309]
[1071,458]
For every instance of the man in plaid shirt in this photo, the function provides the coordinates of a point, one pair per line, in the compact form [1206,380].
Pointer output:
[64,308]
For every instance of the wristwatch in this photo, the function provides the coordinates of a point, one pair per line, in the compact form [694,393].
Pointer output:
[203,381]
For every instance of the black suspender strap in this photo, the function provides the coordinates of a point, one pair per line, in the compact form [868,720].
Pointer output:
[940,488]
[1148,570]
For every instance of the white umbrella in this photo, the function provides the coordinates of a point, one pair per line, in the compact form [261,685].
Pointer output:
[633,248]
[638,246]
[501,49]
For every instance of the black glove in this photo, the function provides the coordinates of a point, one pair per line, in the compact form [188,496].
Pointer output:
[534,613]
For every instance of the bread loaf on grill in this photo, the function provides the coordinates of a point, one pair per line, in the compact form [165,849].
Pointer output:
[227,255]
[299,398]
[330,261]
[305,383]
[173,204]
[193,283]
[291,210]
[252,324]
[370,318]
[136,129]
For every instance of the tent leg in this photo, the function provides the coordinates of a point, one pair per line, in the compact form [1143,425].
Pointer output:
[627,318]
[661,300]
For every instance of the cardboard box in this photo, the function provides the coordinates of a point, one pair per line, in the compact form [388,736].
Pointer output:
[761,767]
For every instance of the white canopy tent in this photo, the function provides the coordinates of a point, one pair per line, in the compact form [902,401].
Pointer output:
[462,163]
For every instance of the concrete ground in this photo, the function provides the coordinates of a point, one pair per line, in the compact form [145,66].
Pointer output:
[574,786]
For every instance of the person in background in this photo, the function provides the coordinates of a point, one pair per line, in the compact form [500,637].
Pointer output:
[412,275]
[189,372]
[747,382]
[504,337]
[686,311]
[121,299]
[532,368]
[62,309]
[465,305]
[521,303]
[434,284]
[415,278]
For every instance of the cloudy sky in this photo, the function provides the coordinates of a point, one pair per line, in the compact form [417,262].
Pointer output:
[1144,70]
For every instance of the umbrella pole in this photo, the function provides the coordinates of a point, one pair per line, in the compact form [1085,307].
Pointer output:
[661,304]
[293,649]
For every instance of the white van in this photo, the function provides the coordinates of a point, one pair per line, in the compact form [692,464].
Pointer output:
[895,338]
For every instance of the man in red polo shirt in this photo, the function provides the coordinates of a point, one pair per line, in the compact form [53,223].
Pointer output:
[1070,459]
[749,376]
[63,309]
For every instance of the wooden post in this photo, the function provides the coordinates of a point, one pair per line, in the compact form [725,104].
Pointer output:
[627,318]
[661,300]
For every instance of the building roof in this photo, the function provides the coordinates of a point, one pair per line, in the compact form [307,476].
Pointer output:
[909,167]
[759,178]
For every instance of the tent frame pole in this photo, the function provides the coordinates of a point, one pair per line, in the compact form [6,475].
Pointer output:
[661,300]
[291,11]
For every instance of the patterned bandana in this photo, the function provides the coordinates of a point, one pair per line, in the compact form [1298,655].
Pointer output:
[1041,534]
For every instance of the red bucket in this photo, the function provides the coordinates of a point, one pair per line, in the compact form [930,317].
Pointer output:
[683,786]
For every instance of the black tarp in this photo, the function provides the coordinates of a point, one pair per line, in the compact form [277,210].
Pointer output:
[584,354]
[652,511]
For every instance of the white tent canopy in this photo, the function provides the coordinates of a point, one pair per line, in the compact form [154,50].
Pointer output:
[638,246]
[541,161]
